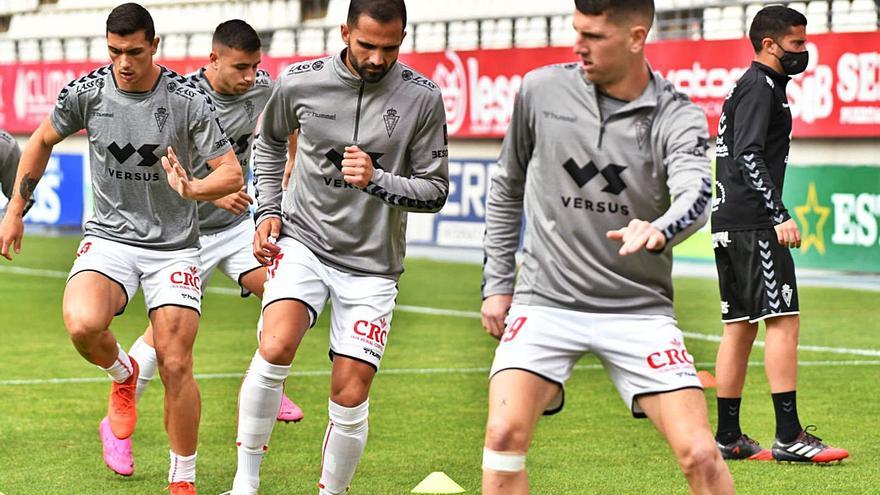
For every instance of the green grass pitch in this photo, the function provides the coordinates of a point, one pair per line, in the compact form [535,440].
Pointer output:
[428,405]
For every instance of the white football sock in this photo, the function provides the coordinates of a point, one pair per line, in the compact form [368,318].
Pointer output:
[247,476]
[344,444]
[258,403]
[145,355]
[121,368]
[183,468]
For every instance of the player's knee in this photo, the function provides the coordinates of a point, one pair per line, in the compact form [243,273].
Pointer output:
[350,394]
[349,420]
[698,457]
[503,435]
[277,351]
[83,325]
[503,461]
[175,368]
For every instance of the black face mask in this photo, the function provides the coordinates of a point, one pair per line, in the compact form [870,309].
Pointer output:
[794,62]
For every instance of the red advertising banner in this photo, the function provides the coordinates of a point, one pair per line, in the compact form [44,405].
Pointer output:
[838,95]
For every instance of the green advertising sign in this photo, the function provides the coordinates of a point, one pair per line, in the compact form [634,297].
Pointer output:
[838,211]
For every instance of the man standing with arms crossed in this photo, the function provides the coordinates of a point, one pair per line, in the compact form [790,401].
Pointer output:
[592,146]
[143,233]
[752,233]
[240,91]
[372,147]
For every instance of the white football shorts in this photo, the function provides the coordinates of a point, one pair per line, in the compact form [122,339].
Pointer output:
[169,278]
[643,354]
[231,251]
[360,319]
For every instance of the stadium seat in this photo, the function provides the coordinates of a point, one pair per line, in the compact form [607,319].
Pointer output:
[497,33]
[28,50]
[283,43]
[199,45]
[52,50]
[76,50]
[98,49]
[863,15]
[817,17]
[531,31]
[430,37]
[561,31]
[7,51]
[723,23]
[173,46]
[463,35]
[310,42]
[840,15]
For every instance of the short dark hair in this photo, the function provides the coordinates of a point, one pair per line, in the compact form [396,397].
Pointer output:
[774,22]
[383,11]
[130,18]
[237,34]
[617,10]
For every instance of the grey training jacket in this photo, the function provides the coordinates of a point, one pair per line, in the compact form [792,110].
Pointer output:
[577,176]
[400,121]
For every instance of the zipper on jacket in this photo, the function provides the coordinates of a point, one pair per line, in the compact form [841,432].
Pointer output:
[357,116]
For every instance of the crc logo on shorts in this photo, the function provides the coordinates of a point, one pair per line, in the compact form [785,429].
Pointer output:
[671,359]
[372,332]
[187,279]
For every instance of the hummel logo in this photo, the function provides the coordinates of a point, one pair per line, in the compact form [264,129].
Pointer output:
[787,406]
[732,410]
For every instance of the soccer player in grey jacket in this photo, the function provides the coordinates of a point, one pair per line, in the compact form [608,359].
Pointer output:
[143,233]
[372,146]
[609,164]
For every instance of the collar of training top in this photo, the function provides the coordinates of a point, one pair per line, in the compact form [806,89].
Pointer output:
[350,79]
[776,76]
[648,99]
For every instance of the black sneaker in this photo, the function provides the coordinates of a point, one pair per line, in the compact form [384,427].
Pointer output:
[744,448]
[807,448]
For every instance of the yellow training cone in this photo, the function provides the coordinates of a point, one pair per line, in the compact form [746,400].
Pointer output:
[438,482]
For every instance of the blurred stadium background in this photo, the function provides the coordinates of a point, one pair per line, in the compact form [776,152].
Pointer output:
[477,52]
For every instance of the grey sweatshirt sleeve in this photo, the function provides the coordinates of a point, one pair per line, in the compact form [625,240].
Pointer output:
[9,157]
[689,173]
[504,207]
[270,151]
[427,188]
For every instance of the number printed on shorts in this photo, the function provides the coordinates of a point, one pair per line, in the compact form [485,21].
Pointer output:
[270,273]
[84,249]
[513,329]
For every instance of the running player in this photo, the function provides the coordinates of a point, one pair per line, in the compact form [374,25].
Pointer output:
[594,146]
[752,233]
[372,147]
[240,91]
[143,233]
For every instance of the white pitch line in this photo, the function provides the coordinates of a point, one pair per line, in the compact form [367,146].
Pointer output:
[468,314]
[394,371]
